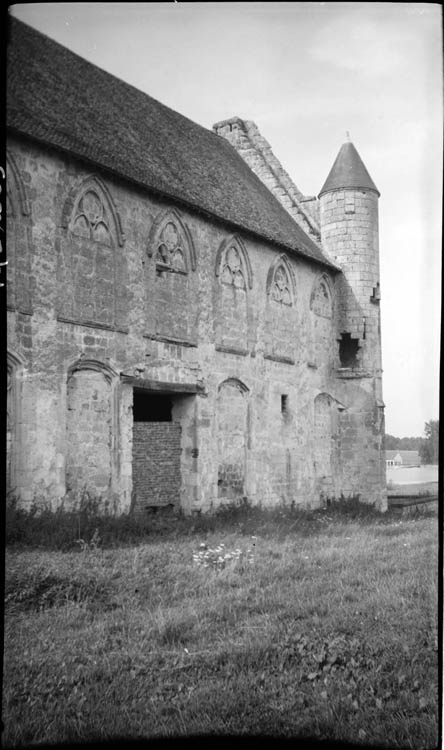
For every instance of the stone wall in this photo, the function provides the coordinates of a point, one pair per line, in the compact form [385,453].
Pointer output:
[256,151]
[194,306]
[350,231]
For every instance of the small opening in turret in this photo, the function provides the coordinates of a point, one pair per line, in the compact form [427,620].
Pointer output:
[348,350]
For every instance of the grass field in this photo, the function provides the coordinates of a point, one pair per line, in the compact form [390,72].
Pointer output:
[323,628]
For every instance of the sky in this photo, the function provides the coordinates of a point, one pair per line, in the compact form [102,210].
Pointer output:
[306,73]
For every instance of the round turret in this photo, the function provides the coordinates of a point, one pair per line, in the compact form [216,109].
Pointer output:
[349,232]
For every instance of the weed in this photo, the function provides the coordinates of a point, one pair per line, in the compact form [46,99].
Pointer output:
[219,557]
[89,524]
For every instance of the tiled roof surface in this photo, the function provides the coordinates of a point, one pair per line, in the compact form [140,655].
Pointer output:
[348,171]
[64,101]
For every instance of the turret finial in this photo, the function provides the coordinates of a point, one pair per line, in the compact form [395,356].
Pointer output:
[347,135]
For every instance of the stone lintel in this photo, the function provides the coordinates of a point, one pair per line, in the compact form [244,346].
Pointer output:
[159,386]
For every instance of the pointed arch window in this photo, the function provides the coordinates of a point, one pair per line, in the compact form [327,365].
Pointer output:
[233,264]
[170,254]
[89,212]
[171,286]
[281,282]
[232,272]
[171,244]
[280,312]
[89,218]
[321,300]
[234,279]
[280,286]
[88,262]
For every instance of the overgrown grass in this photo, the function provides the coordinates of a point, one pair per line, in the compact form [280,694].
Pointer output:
[327,628]
[73,529]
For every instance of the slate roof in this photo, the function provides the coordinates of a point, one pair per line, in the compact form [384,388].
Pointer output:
[60,99]
[348,171]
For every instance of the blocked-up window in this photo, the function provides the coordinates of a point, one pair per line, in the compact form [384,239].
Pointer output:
[172,302]
[89,261]
[233,281]
[321,302]
[280,323]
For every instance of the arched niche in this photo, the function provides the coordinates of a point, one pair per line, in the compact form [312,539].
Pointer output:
[232,415]
[91,428]
[91,268]
[95,365]
[324,428]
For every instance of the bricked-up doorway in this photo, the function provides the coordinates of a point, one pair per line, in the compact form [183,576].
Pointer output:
[156,451]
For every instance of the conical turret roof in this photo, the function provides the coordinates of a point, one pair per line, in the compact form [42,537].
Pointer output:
[348,171]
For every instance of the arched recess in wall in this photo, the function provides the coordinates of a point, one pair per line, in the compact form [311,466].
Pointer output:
[325,427]
[280,313]
[91,268]
[171,246]
[18,228]
[321,320]
[14,366]
[234,280]
[91,428]
[233,425]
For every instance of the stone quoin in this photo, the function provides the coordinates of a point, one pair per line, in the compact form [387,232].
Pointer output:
[185,327]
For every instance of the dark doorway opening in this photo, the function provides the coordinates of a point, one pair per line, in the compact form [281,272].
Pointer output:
[151,407]
[348,350]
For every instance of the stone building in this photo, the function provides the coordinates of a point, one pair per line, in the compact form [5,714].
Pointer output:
[184,326]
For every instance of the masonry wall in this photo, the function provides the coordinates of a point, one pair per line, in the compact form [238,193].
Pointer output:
[138,256]
[156,464]
[256,151]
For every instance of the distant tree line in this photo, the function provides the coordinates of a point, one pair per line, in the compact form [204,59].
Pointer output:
[393,443]
[427,447]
